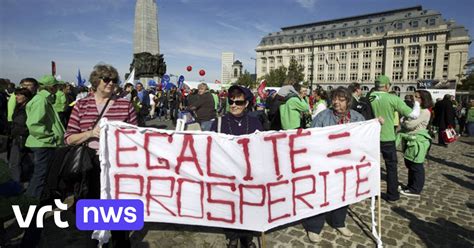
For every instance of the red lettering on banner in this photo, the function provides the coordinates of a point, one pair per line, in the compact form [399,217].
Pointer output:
[339,135]
[180,187]
[344,172]
[162,162]
[362,159]
[150,197]
[231,204]
[208,162]
[188,141]
[324,174]
[339,153]
[361,180]
[119,149]
[118,177]
[242,202]
[293,152]
[273,202]
[300,196]
[245,145]
[276,162]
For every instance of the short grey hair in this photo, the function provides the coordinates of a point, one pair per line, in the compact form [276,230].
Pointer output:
[342,92]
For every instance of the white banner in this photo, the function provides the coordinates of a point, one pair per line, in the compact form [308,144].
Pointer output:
[252,182]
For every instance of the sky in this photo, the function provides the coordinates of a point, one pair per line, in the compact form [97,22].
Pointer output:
[78,34]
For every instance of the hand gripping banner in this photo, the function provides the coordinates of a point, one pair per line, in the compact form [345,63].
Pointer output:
[253,182]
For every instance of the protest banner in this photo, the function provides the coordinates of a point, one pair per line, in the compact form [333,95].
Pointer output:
[253,182]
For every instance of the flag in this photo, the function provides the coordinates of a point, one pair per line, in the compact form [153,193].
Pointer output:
[180,82]
[53,68]
[131,78]
[80,82]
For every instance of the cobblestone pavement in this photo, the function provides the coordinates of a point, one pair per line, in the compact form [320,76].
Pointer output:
[442,217]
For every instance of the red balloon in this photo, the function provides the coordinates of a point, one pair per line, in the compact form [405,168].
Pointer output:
[202,72]
[189,68]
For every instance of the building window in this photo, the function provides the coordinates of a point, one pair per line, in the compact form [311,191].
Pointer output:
[321,67]
[397,75]
[264,69]
[414,51]
[331,67]
[378,65]
[366,65]
[342,33]
[379,43]
[367,44]
[279,60]
[320,77]
[429,50]
[354,45]
[321,57]
[342,46]
[342,66]
[398,25]
[332,47]
[413,63]
[272,61]
[271,52]
[428,75]
[331,56]
[342,56]
[331,35]
[279,51]
[379,53]
[342,76]
[320,48]
[301,59]
[236,73]
[431,21]
[365,76]
[399,41]
[354,32]
[414,23]
[380,29]
[428,62]
[397,64]
[414,39]
[353,76]
[330,77]
[397,51]
[367,54]
[354,66]
[354,55]
[412,75]
[366,30]
[431,37]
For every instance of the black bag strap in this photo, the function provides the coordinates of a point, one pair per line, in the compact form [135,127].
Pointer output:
[101,113]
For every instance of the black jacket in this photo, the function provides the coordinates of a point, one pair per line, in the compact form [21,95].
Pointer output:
[363,107]
[444,114]
[19,127]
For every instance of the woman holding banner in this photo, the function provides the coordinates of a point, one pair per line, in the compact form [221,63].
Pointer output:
[339,113]
[417,141]
[237,122]
[83,127]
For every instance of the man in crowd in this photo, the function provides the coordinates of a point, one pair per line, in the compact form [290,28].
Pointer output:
[384,105]
[144,97]
[444,115]
[203,106]
[359,103]
[292,111]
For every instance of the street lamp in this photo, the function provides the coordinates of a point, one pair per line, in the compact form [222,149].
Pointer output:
[255,69]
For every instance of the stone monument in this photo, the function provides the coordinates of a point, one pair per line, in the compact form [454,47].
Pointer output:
[147,60]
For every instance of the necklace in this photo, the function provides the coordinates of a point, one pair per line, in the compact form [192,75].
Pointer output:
[239,122]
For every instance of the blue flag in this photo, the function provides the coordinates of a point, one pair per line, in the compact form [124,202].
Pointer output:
[80,82]
[180,82]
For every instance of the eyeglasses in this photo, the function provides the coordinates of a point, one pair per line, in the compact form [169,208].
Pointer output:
[237,102]
[108,80]
[417,96]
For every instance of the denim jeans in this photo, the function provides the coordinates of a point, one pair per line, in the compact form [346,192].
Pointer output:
[416,176]
[337,219]
[206,125]
[20,163]
[42,157]
[389,153]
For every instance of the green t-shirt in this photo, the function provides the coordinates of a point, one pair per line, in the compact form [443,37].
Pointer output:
[290,113]
[470,115]
[384,105]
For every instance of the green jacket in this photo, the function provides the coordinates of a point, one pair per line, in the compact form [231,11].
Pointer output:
[43,122]
[470,115]
[417,145]
[216,101]
[11,107]
[290,112]
[60,102]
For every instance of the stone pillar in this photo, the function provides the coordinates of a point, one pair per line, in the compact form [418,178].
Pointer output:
[405,63]
[421,65]
[439,61]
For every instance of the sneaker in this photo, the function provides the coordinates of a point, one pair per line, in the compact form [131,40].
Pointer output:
[314,237]
[233,243]
[344,231]
[402,187]
[407,192]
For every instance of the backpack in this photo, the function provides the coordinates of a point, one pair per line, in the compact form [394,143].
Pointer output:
[274,112]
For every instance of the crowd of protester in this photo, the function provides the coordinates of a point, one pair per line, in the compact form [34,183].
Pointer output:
[41,115]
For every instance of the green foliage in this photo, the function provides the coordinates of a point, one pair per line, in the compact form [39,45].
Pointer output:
[276,77]
[467,83]
[246,80]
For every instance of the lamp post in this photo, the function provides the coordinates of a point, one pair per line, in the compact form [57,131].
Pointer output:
[255,68]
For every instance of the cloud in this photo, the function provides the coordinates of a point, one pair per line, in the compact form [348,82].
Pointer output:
[307,4]
[228,25]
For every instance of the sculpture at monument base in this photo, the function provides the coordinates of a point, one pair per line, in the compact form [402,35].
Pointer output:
[148,65]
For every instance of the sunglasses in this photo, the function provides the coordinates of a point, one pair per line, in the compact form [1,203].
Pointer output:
[238,102]
[108,80]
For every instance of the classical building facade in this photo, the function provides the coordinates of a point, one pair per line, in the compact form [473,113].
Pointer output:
[407,45]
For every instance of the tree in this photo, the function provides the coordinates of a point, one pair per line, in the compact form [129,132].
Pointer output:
[246,80]
[295,71]
[276,77]
[467,83]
